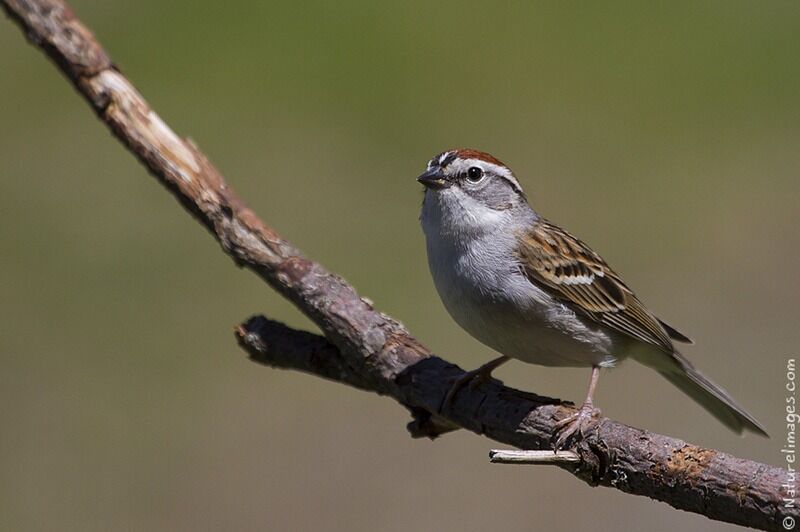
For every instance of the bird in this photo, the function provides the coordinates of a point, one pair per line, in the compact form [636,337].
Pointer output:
[533,292]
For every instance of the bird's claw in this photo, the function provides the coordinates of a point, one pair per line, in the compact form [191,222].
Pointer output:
[474,378]
[578,423]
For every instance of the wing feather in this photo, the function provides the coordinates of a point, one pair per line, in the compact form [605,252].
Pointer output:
[570,271]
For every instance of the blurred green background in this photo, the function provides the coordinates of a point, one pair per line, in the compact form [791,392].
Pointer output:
[666,135]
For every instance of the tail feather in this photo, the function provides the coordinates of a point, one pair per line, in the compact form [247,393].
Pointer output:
[714,399]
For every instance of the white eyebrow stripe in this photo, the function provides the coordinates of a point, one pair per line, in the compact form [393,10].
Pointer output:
[499,170]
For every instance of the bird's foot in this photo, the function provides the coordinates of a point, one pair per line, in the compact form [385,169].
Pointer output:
[579,423]
[474,378]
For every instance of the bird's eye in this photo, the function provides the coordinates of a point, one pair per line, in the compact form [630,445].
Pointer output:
[474,174]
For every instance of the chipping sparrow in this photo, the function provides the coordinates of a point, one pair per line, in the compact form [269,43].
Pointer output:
[531,291]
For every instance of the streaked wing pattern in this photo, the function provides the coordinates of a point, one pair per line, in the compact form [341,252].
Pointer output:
[570,271]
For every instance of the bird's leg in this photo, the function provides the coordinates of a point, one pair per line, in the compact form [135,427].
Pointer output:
[580,420]
[474,377]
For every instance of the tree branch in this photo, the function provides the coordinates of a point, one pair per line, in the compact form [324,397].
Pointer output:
[632,460]
[367,349]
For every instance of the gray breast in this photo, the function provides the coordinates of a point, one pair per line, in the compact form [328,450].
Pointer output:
[483,289]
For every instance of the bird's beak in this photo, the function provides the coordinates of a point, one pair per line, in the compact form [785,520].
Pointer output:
[433,178]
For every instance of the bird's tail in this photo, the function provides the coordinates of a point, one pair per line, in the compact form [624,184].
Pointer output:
[714,399]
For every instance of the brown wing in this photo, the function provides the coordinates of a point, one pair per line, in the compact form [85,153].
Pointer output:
[570,271]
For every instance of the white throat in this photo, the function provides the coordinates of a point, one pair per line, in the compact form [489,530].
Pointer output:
[455,216]
[471,247]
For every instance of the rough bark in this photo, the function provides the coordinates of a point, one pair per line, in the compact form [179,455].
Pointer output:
[367,349]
